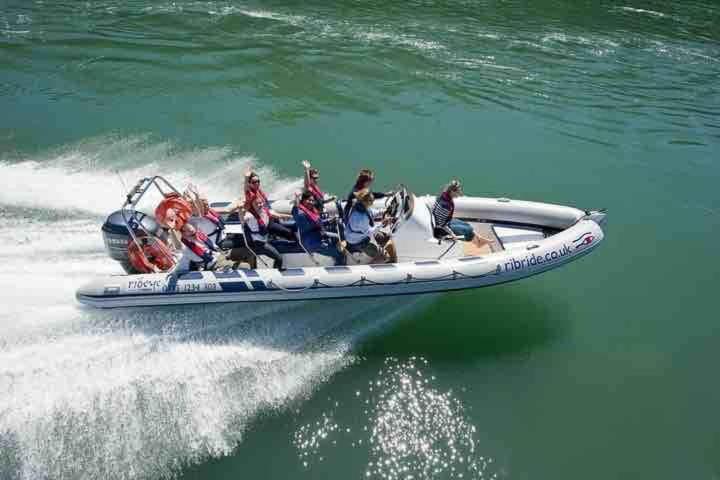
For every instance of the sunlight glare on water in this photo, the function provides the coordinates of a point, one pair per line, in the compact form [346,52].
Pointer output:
[409,429]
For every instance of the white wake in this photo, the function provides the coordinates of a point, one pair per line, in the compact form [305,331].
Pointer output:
[138,393]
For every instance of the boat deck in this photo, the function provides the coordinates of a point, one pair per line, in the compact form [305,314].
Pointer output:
[484,230]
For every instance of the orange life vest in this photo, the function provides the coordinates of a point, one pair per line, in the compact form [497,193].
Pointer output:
[153,253]
[182,208]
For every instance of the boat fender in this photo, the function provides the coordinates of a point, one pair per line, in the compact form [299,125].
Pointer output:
[153,254]
[182,209]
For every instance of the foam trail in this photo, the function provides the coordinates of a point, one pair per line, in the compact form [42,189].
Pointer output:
[81,179]
[137,393]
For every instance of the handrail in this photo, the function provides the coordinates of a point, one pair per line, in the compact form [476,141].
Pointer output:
[133,197]
[299,240]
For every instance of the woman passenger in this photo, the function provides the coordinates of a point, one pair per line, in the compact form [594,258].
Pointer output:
[364,180]
[443,211]
[256,203]
[311,177]
[314,237]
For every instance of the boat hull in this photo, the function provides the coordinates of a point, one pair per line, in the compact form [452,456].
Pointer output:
[315,283]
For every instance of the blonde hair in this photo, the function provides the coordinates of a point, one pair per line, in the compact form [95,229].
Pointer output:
[365,195]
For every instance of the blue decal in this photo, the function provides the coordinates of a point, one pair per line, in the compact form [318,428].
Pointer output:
[259,285]
[192,276]
[228,274]
[292,272]
[234,286]
[338,269]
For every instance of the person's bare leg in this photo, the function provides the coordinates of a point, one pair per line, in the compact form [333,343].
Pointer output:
[480,241]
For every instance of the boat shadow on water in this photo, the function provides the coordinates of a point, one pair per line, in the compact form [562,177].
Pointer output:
[288,327]
[503,321]
[511,320]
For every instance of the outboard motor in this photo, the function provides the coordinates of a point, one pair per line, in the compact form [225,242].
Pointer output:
[117,237]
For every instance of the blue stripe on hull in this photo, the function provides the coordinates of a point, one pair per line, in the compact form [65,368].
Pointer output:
[234,286]
[259,285]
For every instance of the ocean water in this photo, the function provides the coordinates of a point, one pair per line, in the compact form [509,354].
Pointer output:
[605,368]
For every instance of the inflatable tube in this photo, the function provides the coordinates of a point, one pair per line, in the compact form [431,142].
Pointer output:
[407,278]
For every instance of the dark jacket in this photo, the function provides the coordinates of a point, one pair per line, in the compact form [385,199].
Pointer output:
[311,233]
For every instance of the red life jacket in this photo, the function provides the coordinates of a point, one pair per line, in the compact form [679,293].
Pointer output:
[200,246]
[312,214]
[182,208]
[262,216]
[214,217]
[316,192]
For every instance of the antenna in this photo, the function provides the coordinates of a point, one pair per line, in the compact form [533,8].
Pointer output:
[122,180]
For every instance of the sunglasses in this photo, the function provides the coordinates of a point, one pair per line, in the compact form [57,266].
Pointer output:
[255,181]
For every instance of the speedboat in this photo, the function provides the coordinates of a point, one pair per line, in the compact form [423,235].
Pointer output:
[524,239]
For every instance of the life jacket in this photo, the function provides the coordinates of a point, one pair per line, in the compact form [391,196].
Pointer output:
[311,213]
[152,253]
[214,217]
[262,216]
[183,209]
[201,246]
[318,194]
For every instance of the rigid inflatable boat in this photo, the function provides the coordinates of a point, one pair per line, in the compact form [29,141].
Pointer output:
[526,238]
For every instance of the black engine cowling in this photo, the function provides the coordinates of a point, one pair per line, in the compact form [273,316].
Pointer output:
[116,235]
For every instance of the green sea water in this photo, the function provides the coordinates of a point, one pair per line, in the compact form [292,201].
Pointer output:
[605,368]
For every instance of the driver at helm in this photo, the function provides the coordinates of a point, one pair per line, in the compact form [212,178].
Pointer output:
[364,181]
[360,228]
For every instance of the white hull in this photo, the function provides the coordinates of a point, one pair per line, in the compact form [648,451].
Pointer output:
[580,234]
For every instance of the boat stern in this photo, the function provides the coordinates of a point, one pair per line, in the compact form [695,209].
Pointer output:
[93,293]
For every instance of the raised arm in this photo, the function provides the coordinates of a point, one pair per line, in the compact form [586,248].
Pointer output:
[248,174]
[306,176]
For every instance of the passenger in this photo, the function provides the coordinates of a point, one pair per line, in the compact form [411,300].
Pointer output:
[172,237]
[258,240]
[311,185]
[204,217]
[172,213]
[361,228]
[364,180]
[238,244]
[257,204]
[313,236]
[199,252]
[443,211]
